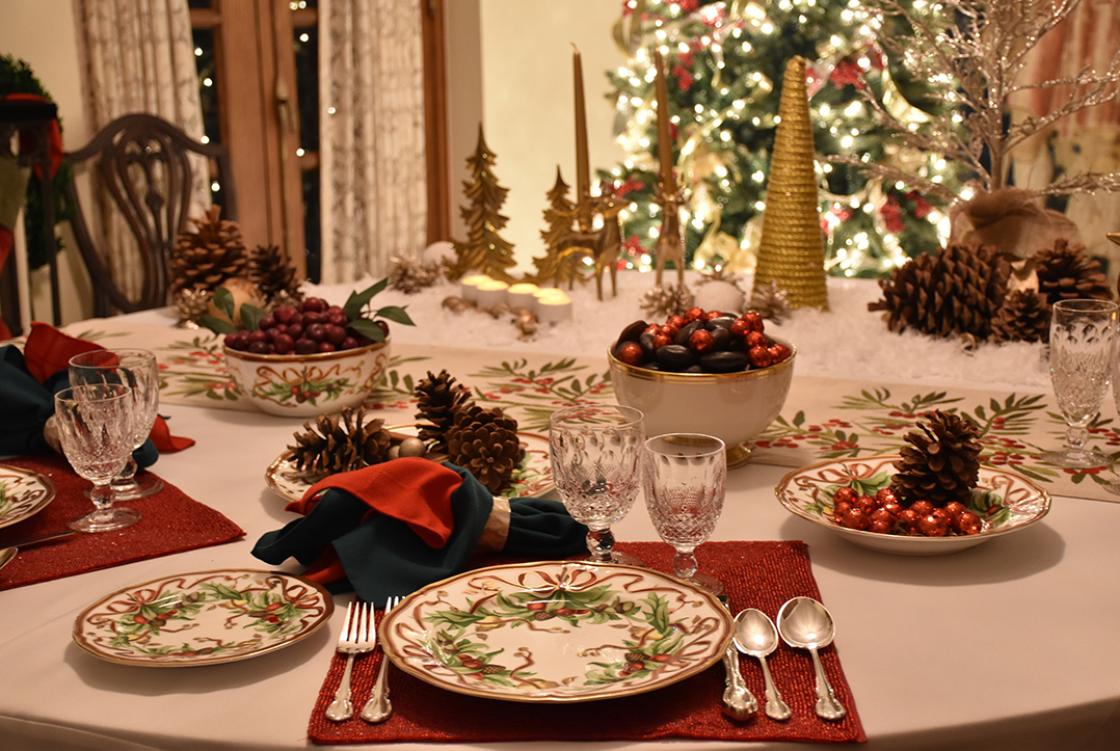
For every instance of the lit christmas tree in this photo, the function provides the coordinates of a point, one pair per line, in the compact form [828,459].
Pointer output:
[725,62]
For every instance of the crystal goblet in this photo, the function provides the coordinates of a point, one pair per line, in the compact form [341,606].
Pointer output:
[595,452]
[685,479]
[1082,334]
[137,369]
[95,429]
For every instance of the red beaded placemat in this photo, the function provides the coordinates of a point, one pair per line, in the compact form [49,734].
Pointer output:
[170,522]
[756,574]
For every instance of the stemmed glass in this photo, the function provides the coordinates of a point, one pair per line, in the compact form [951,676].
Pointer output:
[1082,334]
[685,478]
[595,453]
[95,429]
[137,369]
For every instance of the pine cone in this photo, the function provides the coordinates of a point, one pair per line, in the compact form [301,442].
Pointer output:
[485,442]
[440,398]
[771,302]
[409,275]
[210,255]
[192,303]
[667,301]
[942,462]
[1024,317]
[274,275]
[1066,273]
[339,443]
[957,290]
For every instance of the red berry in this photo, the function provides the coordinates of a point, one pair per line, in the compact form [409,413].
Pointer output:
[326,347]
[295,330]
[266,322]
[139,619]
[306,346]
[564,611]
[922,507]
[335,310]
[297,318]
[283,344]
[316,332]
[760,357]
[383,326]
[700,340]
[284,314]
[335,334]
[257,337]
[630,353]
[536,606]
[260,348]
[313,317]
[337,319]
[314,304]
[845,494]
[349,343]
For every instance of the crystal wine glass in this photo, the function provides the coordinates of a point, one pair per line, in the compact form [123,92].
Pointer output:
[137,369]
[685,477]
[95,429]
[595,453]
[1082,333]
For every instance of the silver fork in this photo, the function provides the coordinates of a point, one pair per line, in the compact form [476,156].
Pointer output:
[378,708]
[355,639]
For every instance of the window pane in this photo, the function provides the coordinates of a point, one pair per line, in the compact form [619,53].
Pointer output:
[202,4]
[306,44]
[310,180]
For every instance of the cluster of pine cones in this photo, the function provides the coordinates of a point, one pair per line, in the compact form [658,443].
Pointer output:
[481,440]
[965,290]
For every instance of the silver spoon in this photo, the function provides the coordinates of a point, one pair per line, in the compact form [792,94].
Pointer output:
[6,556]
[756,636]
[803,622]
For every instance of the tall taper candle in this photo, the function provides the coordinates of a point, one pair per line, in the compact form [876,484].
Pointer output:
[583,169]
[664,137]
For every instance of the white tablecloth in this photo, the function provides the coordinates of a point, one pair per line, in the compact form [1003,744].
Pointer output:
[1007,645]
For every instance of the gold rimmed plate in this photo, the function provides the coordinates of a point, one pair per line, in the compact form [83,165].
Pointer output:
[202,618]
[532,479]
[1005,501]
[23,494]
[556,632]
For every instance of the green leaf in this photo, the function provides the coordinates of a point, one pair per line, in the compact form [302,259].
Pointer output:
[217,325]
[251,316]
[395,313]
[358,300]
[223,301]
[368,329]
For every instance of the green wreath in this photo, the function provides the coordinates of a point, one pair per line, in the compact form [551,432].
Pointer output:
[16,78]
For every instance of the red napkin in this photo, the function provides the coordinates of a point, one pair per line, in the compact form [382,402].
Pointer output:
[394,489]
[48,351]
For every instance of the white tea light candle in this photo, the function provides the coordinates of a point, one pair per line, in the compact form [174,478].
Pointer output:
[491,292]
[553,306]
[523,295]
[468,286]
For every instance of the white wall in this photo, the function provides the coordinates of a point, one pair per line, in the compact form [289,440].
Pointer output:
[525,57]
[42,32]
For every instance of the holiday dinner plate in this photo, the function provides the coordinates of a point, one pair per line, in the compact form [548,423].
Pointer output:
[202,618]
[1005,501]
[556,632]
[533,479]
[23,494]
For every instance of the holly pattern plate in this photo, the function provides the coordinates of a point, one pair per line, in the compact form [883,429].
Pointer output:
[202,618]
[23,494]
[556,632]
[1005,501]
[533,479]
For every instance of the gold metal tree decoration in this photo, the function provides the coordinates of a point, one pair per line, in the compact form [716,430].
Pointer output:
[484,249]
[791,252]
[555,266]
[670,197]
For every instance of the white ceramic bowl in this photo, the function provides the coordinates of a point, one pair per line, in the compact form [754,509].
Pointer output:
[734,407]
[1012,503]
[305,385]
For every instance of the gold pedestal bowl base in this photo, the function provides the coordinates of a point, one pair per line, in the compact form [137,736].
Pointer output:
[739,455]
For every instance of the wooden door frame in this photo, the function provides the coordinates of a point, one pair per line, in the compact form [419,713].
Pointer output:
[434,44]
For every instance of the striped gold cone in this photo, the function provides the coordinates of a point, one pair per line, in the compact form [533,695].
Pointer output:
[791,252]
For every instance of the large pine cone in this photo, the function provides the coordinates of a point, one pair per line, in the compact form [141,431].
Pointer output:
[942,462]
[957,290]
[1066,273]
[440,397]
[210,255]
[1024,317]
[484,441]
[274,275]
[339,443]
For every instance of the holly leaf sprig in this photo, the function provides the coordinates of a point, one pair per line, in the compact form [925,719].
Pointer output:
[362,316]
[250,315]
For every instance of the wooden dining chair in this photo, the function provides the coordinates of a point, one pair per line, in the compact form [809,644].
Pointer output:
[141,163]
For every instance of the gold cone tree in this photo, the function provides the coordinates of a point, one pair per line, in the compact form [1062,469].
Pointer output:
[791,252]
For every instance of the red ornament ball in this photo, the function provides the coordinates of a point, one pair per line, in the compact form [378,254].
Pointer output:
[954,509]
[845,494]
[759,357]
[693,314]
[880,527]
[968,523]
[885,496]
[756,339]
[922,508]
[631,353]
[700,341]
[867,503]
[855,518]
[740,328]
[932,525]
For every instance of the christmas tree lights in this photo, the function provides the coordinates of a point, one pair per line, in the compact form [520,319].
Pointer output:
[725,62]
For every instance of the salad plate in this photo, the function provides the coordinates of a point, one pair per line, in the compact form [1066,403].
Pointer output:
[202,618]
[556,632]
[533,479]
[1005,501]
[23,494]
